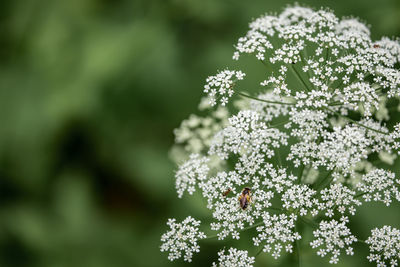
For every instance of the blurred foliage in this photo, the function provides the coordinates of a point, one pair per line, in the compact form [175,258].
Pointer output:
[90,92]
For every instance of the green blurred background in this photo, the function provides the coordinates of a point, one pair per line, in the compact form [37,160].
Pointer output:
[90,92]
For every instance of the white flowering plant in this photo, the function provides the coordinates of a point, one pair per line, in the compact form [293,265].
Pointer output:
[300,150]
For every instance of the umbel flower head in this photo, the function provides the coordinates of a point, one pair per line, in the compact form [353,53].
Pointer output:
[182,238]
[305,150]
[384,245]
[235,257]
[331,238]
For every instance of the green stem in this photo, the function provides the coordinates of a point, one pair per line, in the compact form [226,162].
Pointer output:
[241,230]
[327,55]
[265,64]
[280,123]
[263,100]
[335,104]
[252,226]
[340,104]
[278,155]
[258,253]
[356,122]
[309,222]
[322,182]
[299,77]
[300,173]
[275,209]
[361,194]
[297,245]
[209,237]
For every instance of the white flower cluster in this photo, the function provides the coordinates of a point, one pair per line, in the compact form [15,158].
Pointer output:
[276,233]
[338,197]
[230,218]
[182,238]
[379,185]
[220,86]
[360,92]
[190,174]
[340,147]
[339,62]
[269,111]
[384,246]
[305,149]
[395,135]
[301,198]
[331,238]
[234,258]
[196,132]
[248,136]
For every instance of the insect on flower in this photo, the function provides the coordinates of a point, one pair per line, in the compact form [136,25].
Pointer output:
[227,192]
[245,198]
